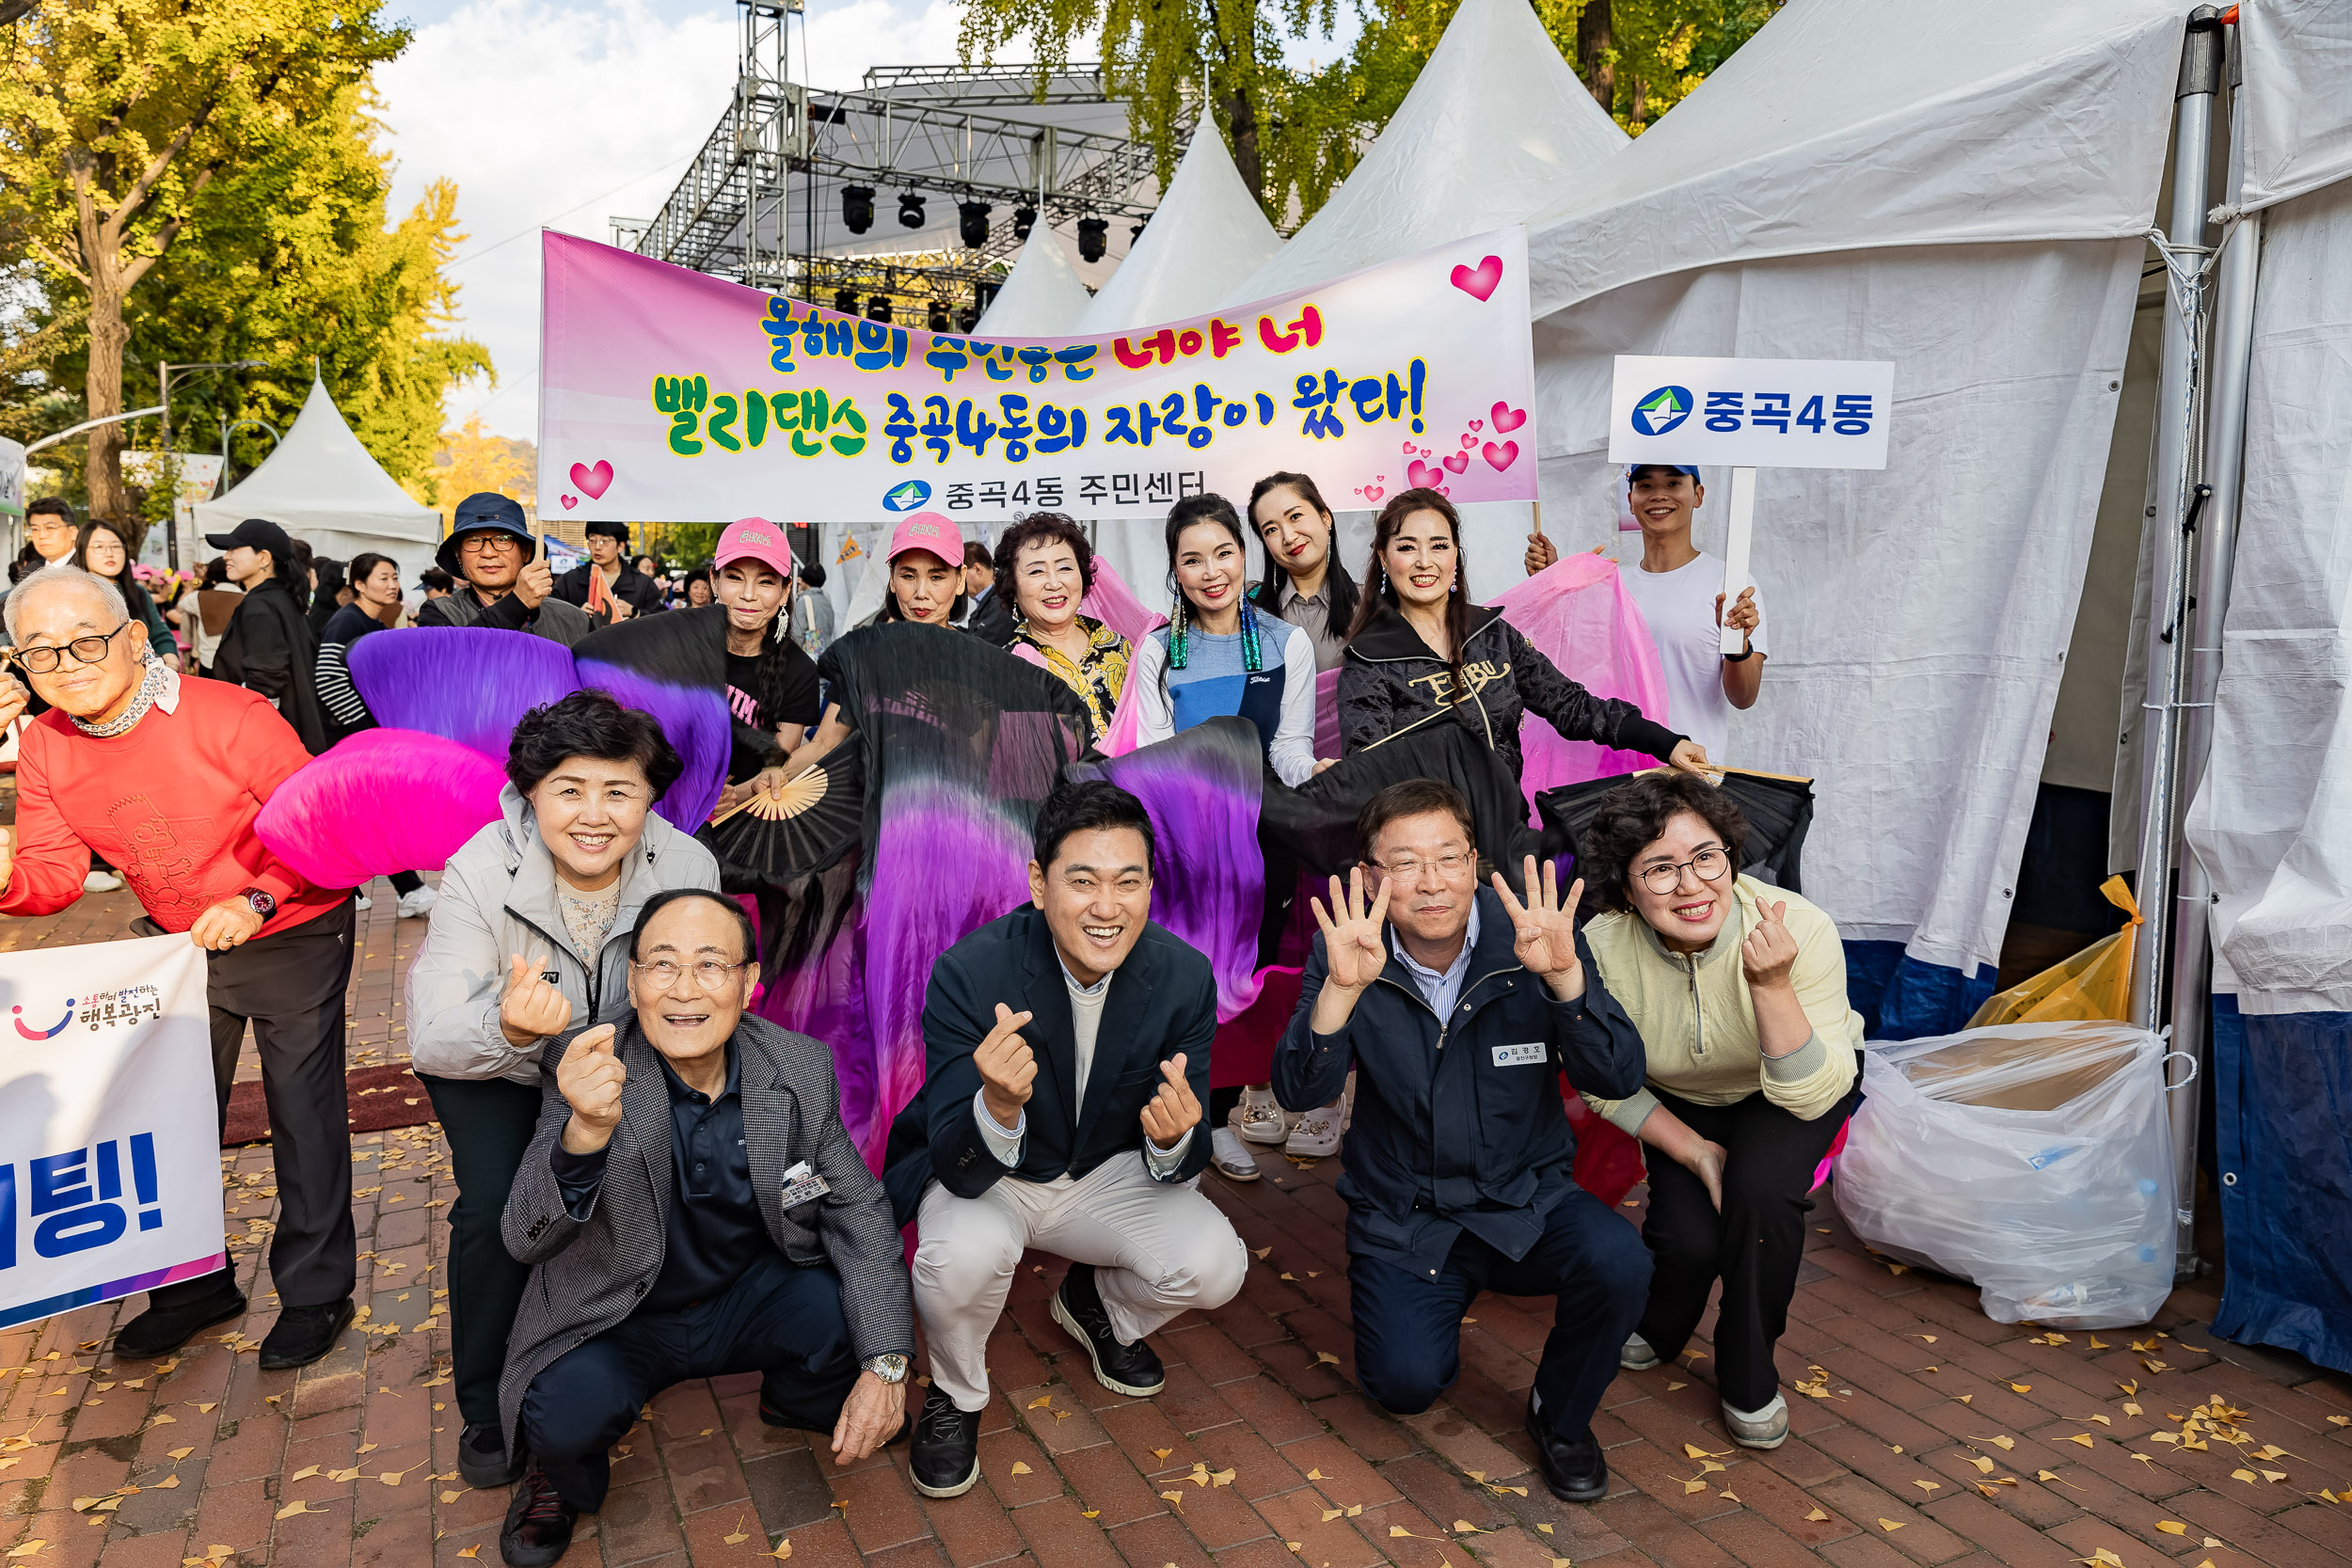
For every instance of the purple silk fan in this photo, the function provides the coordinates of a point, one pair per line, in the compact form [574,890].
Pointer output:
[467,684]
[696,720]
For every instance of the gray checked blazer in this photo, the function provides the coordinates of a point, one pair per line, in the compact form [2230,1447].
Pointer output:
[587,1275]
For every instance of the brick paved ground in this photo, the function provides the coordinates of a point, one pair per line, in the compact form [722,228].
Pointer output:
[1943,1438]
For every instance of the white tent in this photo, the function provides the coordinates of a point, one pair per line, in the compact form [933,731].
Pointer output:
[1042,297]
[1961,189]
[321,486]
[1206,235]
[1497,127]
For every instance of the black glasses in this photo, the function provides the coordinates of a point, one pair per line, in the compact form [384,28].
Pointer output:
[1707,865]
[43,661]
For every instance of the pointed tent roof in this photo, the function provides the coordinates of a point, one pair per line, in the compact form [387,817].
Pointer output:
[1042,297]
[1206,236]
[1497,127]
[1973,122]
[320,478]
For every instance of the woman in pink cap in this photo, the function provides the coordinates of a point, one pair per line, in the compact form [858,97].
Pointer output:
[772,683]
[926,562]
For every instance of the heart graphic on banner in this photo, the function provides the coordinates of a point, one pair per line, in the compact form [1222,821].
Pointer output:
[1407,450]
[1457,461]
[1479,283]
[570,501]
[596,481]
[1470,440]
[1421,475]
[1423,450]
[1501,456]
[1507,418]
[1374,492]
[1477,424]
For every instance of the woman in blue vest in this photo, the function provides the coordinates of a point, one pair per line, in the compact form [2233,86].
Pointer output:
[1222,654]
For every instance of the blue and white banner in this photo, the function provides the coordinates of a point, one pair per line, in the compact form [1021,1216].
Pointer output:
[1750,413]
[109,1135]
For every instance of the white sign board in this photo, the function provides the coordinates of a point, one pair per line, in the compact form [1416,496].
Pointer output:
[1751,413]
[109,1137]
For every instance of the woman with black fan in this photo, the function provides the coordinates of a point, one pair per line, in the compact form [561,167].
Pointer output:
[772,685]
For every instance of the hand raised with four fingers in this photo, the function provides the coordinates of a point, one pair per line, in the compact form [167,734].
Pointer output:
[1173,1110]
[1770,952]
[533,1009]
[1006,1066]
[1352,944]
[1545,928]
[590,1077]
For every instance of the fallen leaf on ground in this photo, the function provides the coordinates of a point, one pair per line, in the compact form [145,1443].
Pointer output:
[1042,1402]
[166,1483]
[450,1497]
[304,1473]
[1928,1485]
[1311,1475]
[1691,1486]
[784,1549]
[739,1535]
[2085,1440]
[1222,1478]
[181,1453]
[2246,1476]
[1259,1252]
[1728,1496]
[2020,1387]
[31,1546]
[1985,1465]
[474,1550]
[1331,1514]
[1672,1387]
[1019,1468]
[1691,1450]
[1162,1453]
[297,1506]
[1816,1518]
[2097,1343]
[2172,1527]
[1175,1500]
[1890,1525]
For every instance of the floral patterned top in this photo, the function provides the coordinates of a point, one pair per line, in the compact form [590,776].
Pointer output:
[1097,678]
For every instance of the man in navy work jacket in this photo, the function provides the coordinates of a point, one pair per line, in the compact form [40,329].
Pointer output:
[1458,1007]
[1067,1047]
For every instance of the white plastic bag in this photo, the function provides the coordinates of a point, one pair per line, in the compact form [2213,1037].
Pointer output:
[2033,1159]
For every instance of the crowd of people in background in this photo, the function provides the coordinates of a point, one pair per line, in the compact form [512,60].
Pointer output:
[584,980]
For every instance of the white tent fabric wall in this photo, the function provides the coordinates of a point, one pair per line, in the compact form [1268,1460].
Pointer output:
[1206,235]
[1043,297]
[321,485]
[1973,212]
[2298,135]
[1496,126]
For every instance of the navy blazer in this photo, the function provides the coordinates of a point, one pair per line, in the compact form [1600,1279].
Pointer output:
[1458,1125]
[1162,1000]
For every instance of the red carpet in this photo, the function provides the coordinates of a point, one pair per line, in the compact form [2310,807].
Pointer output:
[381,1098]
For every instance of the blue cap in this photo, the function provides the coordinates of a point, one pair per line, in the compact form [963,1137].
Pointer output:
[1632,468]
[482,511]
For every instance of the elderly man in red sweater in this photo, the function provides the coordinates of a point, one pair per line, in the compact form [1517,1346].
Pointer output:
[164,777]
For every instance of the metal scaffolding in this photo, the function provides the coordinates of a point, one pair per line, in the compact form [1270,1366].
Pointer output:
[762,202]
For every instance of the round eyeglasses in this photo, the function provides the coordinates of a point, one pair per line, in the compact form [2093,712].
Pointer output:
[40,659]
[1707,865]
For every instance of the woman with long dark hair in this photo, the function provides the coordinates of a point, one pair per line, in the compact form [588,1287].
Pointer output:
[1421,651]
[1303,581]
[1222,654]
[102,552]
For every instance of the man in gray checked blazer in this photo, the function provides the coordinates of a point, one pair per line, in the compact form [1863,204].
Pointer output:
[691,1206]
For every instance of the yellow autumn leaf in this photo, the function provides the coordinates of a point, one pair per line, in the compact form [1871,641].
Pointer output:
[2130,1409]
[1928,1338]
[450,1497]
[166,1483]
[474,1550]
[1691,1450]
[1331,1514]
[297,1506]
[1326,1357]
[2246,1476]
[181,1453]
[1042,1402]
[2274,1474]
[1890,1525]
[1019,1468]
[1311,1475]
[304,1473]
[1463,1527]
[1928,1485]
[1728,1496]
[1691,1486]
[1816,1518]
[1985,1465]
[1221,1478]
[736,1536]
[2084,1439]
[1162,1453]
[2020,1387]
[2172,1527]
[1175,1500]
[1260,1253]
[784,1549]
[27,1549]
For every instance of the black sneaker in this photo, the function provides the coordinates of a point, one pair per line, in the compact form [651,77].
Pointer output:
[1131,1369]
[1573,1468]
[301,1335]
[482,1459]
[166,1326]
[946,1456]
[538,1528]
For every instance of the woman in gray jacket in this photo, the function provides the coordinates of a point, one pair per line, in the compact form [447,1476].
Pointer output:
[530,937]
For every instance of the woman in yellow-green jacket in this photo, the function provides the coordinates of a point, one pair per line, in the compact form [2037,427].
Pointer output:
[1739,991]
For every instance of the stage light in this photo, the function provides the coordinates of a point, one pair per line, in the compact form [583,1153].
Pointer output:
[857,208]
[966,318]
[910,210]
[845,301]
[937,320]
[1091,238]
[972,223]
[1024,219]
[878,307]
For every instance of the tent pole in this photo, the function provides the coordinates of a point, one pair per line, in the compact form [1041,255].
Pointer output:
[2177,475]
[2236,271]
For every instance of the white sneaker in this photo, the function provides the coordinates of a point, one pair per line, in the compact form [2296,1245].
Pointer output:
[1638,1354]
[1231,1157]
[1258,1118]
[361,901]
[418,901]
[1317,1134]
[100,882]
[1767,1428]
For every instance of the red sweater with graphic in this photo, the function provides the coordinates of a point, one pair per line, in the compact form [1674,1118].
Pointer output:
[170,804]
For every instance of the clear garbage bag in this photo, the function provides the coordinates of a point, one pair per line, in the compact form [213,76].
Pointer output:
[2034,1160]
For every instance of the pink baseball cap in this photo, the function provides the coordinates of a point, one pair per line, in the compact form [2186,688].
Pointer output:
[929,531]
[755,539]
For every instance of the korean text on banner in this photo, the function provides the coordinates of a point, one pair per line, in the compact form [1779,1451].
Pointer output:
[110,1139]
[668,393]
[1750,413]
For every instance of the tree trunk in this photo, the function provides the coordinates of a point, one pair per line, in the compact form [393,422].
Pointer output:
[1595,47]
[1637,112]
[101,386]
[1247,157]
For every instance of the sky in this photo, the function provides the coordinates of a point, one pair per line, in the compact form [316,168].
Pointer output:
[564,115]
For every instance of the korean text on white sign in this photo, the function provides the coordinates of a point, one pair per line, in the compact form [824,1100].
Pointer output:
[1751,413]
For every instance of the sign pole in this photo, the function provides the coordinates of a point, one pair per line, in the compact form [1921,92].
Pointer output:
[1736,549]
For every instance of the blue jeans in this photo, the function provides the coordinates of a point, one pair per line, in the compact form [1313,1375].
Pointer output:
[1408,1328]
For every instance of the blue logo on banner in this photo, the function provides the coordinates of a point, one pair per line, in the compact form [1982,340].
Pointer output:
[907,497]
[1661,410]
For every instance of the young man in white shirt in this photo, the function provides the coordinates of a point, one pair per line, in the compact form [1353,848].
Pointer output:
[1680,589]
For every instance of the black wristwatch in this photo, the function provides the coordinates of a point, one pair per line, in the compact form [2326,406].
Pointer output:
[1745,653]
[262,904]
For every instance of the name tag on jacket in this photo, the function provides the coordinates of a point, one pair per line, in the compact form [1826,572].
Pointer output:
[1521,1055]
[802,1184]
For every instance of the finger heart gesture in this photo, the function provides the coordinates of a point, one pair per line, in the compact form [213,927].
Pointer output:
[1351,942]
[1545,928]
[1768,952]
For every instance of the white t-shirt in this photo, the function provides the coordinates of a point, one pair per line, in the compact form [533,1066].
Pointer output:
[1679,607]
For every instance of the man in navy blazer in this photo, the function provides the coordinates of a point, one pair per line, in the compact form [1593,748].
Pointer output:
[1068,1047]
